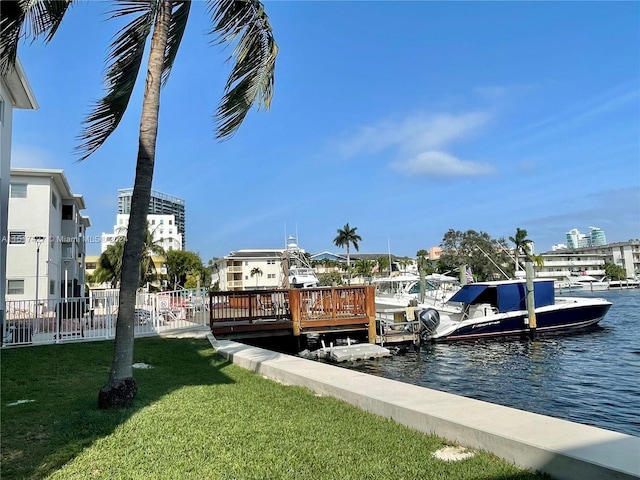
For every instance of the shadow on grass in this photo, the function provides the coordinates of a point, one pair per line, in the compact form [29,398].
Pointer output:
[49,396]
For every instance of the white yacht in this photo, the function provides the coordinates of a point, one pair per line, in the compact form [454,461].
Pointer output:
[296,269]
[589,283]
[404,290]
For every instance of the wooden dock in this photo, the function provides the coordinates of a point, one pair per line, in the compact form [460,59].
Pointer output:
[297,312]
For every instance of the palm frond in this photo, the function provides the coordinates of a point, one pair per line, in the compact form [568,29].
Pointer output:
[27,19]
[124,60]
[252,76]
[177,25]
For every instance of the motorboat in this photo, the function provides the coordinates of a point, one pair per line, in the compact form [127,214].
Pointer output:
[589,283]
[297,271]
[566,286]
[499,308]
[403,290]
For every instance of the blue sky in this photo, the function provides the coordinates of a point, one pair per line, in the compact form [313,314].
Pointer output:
[404,119]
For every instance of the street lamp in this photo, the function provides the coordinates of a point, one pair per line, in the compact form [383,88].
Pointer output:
[38,239]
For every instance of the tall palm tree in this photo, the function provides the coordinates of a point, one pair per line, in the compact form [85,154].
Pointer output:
[242,23]
[257,272]
[522,245]
[346,237]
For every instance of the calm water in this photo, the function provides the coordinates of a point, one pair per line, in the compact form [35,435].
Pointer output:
[591,378]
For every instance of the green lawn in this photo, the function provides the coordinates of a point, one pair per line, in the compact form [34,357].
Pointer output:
[199,417]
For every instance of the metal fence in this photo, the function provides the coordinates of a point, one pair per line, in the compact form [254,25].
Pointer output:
[57,320]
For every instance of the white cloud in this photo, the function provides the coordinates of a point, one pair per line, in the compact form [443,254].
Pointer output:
[441,164]
[413,134]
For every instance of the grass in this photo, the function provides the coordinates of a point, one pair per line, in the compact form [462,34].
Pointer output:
[199,417]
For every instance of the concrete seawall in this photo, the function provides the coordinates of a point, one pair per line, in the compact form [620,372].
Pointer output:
[565,450]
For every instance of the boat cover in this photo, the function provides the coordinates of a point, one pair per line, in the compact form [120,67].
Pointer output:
[506,297]
[468,293]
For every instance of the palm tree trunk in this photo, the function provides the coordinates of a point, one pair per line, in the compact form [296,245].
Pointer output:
[121,389]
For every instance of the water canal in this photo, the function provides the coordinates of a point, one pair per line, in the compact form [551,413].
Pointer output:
[591,378]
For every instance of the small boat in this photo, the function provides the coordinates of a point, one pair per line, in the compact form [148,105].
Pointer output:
[403,290]
[496,309]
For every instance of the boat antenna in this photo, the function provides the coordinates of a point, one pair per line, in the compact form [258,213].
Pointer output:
[389,248]
[494,263]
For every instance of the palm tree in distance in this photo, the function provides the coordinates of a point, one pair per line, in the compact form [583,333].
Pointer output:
[243,23]
[346,237]
[522,245]
[256,272]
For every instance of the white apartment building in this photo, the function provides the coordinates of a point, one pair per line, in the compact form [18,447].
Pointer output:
[163,229]
[15,92]
[591,260]
[234,270]
[46,236]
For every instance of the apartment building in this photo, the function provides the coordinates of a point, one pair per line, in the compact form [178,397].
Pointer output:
[163,228]
[591,260]
[234,270]
[46,236]
[15,92]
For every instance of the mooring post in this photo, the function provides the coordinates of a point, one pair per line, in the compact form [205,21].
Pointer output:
[531,303]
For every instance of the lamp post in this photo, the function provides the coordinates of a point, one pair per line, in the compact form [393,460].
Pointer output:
[38,239]
[66,282]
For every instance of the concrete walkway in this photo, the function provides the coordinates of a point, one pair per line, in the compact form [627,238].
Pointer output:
[565,450]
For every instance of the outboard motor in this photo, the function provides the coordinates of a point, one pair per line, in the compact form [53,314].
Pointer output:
[429,321]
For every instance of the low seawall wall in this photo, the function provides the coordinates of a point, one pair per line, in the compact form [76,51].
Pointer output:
[565,450]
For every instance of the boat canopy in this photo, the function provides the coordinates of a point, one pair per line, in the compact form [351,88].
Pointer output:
[506,297]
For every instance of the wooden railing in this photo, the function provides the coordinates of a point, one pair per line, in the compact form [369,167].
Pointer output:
[325,309]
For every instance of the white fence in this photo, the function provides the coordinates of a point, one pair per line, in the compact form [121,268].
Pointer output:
[61,320]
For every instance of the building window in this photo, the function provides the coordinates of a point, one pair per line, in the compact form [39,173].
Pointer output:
[271,262]
[52,287]
[67,212]
[18,190]
[170,222]
[15,287]
[1,111]
[54,200]
[17,238]
[67,250]
[161,222]
[271,275]
[153,222]
[170,231]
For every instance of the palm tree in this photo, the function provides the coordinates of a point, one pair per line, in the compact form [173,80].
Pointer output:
[240,22]
[522,245]
[255,271]
[346,237]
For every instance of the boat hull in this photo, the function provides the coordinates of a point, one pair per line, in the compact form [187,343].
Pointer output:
[551,321]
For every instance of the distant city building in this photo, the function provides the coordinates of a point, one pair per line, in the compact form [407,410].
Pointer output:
[596,237]
[163,229]
[160,204]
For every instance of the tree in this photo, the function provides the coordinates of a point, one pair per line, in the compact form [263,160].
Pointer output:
[241,22]
[384,264]
[522,245]
[486,256]
[330,278]
[424,264]
[363,266]
[109,268]
[346,237]
[182,263]
[257,272]
[615,272]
